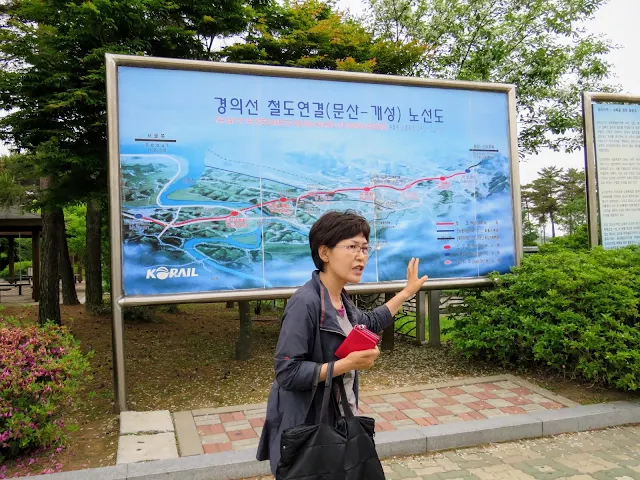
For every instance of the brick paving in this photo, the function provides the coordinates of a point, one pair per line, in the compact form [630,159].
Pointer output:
[612,454]
[237,430]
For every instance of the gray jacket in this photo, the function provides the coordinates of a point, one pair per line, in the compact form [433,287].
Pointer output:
[309,336]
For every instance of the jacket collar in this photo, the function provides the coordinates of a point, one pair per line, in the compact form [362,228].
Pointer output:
[328,316]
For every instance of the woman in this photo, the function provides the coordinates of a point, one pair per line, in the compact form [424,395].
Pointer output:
[315,322]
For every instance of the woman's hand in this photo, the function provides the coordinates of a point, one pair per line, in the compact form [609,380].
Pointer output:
[413,285]
[413,282]
[362,360]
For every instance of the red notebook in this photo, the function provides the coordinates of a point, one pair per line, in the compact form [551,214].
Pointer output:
[360,338]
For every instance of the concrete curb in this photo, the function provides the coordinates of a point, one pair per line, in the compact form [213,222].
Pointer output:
[187,434]
[242,464]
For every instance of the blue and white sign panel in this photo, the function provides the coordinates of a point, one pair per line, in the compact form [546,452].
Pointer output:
[222,176]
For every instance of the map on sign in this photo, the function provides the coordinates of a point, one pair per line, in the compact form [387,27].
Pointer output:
[223,175]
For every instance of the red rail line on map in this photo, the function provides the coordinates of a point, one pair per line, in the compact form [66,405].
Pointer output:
[301,197]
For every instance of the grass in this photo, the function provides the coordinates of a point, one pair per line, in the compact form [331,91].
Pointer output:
[185,360]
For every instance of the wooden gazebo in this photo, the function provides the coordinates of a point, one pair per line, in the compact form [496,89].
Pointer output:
[17,224]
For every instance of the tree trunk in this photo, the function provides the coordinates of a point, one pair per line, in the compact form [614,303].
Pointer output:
[69,295]
[93,263]
[49,304]
[553,225]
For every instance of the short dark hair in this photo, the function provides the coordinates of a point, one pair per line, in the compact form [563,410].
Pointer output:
[333,227]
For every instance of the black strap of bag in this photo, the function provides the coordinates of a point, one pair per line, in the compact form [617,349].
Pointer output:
[323,416]
[343,399]
[314,389]
[333,386]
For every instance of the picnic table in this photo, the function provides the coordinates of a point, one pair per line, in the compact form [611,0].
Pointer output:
[5,287]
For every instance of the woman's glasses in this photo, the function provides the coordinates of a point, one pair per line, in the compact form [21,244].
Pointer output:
[354,249]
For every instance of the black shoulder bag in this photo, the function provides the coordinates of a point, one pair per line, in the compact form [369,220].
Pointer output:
[344,451]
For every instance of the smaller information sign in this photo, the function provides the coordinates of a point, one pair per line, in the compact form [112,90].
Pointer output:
[617,149]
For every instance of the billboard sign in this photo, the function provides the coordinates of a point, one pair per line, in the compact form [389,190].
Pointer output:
[612,137]
[222,169]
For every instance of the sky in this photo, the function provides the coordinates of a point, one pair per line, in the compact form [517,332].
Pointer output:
[618,21]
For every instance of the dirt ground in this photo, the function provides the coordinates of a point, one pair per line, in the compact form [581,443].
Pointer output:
[186,361]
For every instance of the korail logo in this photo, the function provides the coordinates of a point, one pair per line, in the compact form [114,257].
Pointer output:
[162,273]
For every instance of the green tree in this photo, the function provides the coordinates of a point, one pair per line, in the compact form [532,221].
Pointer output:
[76,223]
[53,83]
[314,34]
[538,45]
[557,196]
[573,200]
[529,231]
[543,192]
[12,193]
[530,234]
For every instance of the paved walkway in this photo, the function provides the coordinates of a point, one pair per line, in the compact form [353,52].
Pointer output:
[612,454]
[237,428]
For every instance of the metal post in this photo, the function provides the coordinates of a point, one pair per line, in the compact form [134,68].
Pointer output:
[590,170]
[420,314]
[434,318]
[119,379]
[516,204]
[115,224]
[388,336]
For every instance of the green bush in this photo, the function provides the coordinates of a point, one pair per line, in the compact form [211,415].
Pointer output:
[577,241]
[574,312]
[19,268]
[41,368]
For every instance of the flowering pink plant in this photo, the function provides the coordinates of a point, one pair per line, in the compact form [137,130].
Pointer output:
[40,370]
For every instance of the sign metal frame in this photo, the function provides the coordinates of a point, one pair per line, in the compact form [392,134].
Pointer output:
[118,298]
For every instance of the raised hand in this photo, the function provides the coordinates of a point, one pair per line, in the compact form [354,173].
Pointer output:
[413,282]
[413,285]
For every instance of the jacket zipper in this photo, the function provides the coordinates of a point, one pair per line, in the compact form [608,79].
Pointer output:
[333,331]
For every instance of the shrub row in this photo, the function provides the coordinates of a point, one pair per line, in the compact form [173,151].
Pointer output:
[569,311]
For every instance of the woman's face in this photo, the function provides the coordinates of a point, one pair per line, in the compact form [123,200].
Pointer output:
[347,259]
